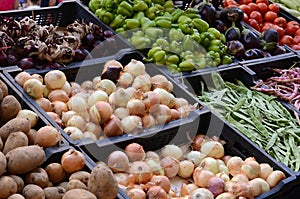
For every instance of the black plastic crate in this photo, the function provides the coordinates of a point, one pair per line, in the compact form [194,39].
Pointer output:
[210,125]
[93,68]
[25,104]
[54,156]
[66,13]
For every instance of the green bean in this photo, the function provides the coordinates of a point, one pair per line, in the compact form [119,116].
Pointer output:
[239,105]
[295,152]
[272,141]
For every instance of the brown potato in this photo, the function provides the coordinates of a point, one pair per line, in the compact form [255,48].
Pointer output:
[1,144]
[16,196]
[3,88]
[32,191]
[24,159]
[76,184]
[31,136]
[101,180]
[37,176]
[3,163]
[14,140]
[79,193]
[9,108]
[55,172]
[63,185]
[8,186]
[54,192]
[83,176]
[19,181]
[13,125]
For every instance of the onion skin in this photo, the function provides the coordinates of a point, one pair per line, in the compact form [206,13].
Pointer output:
[250,169]
[162,181]
[142,82]
[140,172]
[201,193]
[125,80]
[136,107]
[135,152]
[152,155]
[196,157]
[197,142]
[136,193]
[122,178]
[58,95]
[187,189]
[156,192]
[201,177]
[234,165]
[172,150]
[121,112]
[118,161]
[55,79]
[160,81]
[48,136]
[275,177]
[101,111]
[256,187]
[210,164]
[161,113]
[265,170]
[213,149]
[34,88]
[265,185]
[170,165]
[77,104]
[150,98]
[186,169]
[113,127]
[72,161]
[44,103]
[148,121]
[59,107]
[131,124]
[107,86]
[135,68]
[77,121]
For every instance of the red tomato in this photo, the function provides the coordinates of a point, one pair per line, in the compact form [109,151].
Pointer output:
[245,9]
[280,21]
[287,39]
[297,32]
[245,18]
[270,16]
[263,8]
[254,24]
[257,16]
[266,25]
[230,2]
[245,2]
[253,7]
[292,27]
[280,30]
[262,1]
[297,39]
[296,46]
[274,7]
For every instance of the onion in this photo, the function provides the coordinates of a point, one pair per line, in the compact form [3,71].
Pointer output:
[44,103]
[119,98]
[118,161]
[67,88]
[77,104]
[34,88]
[186,169]
[201,176]
[148,121]
[223,169]
[180,102]
[201,193]
[265,170]
[225,158]
[234,165]
[250,169]
[142,82]
[135,68]
[59,107]
[121,112]
[77,121]
[55,79]
[224,176]
[55,117]
[187,189]
[216,185]
[94,128]
[161,113]
[122,178]
[58,95]
[160,81]
[162,181]
[101,112]
[22,77]
[165,97]
[95,81]
[156,168]
[48,136]
[87,85]
[195,157]
[170,165]
[111,70]
[75,88]
[131,124]
[98,95]
[38,77]
[150,98]
[198,140]
[275,177]
[30,115]
[156,192]
[72,161]
[136,193]
[239,189]
[174,114]
[46,91]
[135,152]
[107,86]
[141,172]
[136,107]
[213,149]
[65,116]
[113,127]
[131,92]
[73,132]
[83,94]
[210,164]
[256,187]
[172,150]
[152,155]
[226,195]
[125,80]
[91,135]
[264,184]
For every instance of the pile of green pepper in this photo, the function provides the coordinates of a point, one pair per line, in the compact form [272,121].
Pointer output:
[178,39]
[260,117]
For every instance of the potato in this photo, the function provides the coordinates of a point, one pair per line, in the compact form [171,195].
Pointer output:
[13,125]
[79,193]
[63,185]
[14,140]
[8,186]
[37,176]
[55,172]
[101,180]
[32,191]
[31,136]
[19,181]
[54,192]
[3,88]
[1,95]
[3,163]
[83,176]
[76,184]
[9,108]
[16,196]
[1,144]
[24,159]
[31,115]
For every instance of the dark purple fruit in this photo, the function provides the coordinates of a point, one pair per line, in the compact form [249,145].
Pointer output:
[79,55]
[26,63]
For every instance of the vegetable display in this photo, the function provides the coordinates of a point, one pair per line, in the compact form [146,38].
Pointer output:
[271,126]
[187,171]
[291,7]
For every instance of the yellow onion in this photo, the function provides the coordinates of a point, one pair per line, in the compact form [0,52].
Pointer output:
[170,165]
[38,77]
[239,189]
[44,103]
[75,88]
[67,88]
[55,117]
[98,95]
[94,128]
[136,107]
[161,113]
[224,176]
[91,135]
[152,155]
[95,81]
[125,80]
[216,185]
[140,171]
[165,97]
[59,107]
[195,157]
[256,187]
[107,86]
[119,98]
[58,95]
[122,178]
[87,85]
[131,124]
[65,116]
[113,127]
[265,185]
[187,189]
[118,161]
[162,181]
[135,152]
[180,102]
[156,168]
[212,149]
[135,68]
[142,82]
[226,195]
[77,104]
[148,121]
[101,112]
[172,150]
[34,88]
[21,78]
[121,112]
[234,165]
[210,164]
[30,115]
[150,98]
[48,136]
[186,169]
[275,177]
[250,169]
[160,81]
[77,121]
[73,161]
[74,132]
[156,192]
[136,193]
[265,170]
[201,176]
[201,193]
[55,79]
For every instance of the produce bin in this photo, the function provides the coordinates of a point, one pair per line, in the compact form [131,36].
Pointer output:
[66,13]
[210,125]
[93,68]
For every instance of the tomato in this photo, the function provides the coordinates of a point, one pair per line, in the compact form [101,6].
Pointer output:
[254,24]
[253,7]
[297,32]
[287,39]
[262,1]
[280,30]
[245,18]
[292,27]
[266,25]
[228,3]
[297,39]
[280,21]
[270,16]
[274,7]
[296,46]
[257,16]
[246,2]
[245,9]
[263,8]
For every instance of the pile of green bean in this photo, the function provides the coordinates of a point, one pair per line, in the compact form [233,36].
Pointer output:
[258,116]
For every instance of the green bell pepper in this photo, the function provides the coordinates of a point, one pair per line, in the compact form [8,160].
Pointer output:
[175,34]
[139,5]
[184,19]
[176,14]
[160,2]
[186,28]
[226,59]
[152,51]
[200,25]
[159,57]
[215,32]
[138,15]
[125,9]
[176,47]
[105,16]
[117,22]
[152,12]
[131,24]
[163,43]
[188,43]
[196,36]
[187,65]
[172,59]
[146,22]
[153,33]
[169,6]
